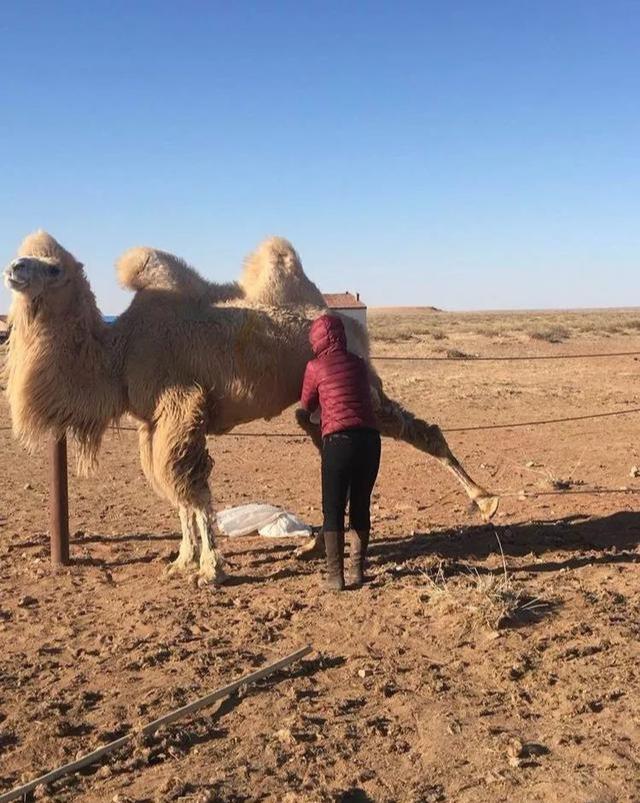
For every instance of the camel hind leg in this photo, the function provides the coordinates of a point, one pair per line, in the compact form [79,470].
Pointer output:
[398,423]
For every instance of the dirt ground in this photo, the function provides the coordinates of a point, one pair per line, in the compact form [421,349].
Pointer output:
[451,676]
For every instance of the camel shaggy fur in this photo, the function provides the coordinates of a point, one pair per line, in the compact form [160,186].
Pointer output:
[187,359]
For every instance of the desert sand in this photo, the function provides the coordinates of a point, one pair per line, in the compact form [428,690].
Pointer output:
[457,674]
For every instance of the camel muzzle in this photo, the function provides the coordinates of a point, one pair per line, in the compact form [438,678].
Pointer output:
[17,275]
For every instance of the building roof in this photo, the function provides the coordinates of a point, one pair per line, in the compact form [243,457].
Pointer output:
[344,301]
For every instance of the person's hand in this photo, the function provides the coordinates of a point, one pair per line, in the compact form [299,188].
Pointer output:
[303,417]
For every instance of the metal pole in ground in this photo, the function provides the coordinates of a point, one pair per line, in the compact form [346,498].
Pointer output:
[58,501]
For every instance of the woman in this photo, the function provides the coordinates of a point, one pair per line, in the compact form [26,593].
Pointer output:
[337,382]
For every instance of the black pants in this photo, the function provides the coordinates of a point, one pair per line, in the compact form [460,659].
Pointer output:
[350,463]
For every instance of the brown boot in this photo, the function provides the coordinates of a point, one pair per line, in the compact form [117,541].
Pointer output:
[334,543]
[358,553]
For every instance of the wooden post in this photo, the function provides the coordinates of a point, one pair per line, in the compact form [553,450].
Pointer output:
[58,502]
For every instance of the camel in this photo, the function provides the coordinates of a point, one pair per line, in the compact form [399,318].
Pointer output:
[187,359]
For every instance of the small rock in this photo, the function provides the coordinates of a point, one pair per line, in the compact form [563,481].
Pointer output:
[28,487]
[364,673]
[519,751]
[531,749]
[515,752]
[27,602]
[635,471]
[285,736]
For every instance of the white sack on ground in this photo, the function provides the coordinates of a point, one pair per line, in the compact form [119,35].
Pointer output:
[285,525]
[267,520]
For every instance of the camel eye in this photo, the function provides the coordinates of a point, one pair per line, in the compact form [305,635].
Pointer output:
[53,271]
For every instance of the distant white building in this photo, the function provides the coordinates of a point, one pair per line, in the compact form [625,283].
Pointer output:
[348,305]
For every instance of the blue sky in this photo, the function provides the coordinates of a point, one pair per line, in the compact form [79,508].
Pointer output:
[463,154]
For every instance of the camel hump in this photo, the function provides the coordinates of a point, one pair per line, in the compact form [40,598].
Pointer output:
[273,275]
[150,269]
[41,245]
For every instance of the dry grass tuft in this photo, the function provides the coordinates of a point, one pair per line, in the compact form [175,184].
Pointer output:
[554,334]
[488,600]
[553,482]
[456,354]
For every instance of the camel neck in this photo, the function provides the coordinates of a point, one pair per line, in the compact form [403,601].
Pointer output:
[61,374]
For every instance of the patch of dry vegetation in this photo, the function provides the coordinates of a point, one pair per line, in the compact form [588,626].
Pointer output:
[456,354]
[395,328]
[426,325]
[489,600]
[553,334]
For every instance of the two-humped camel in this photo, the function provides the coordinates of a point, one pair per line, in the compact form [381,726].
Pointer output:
[188,358]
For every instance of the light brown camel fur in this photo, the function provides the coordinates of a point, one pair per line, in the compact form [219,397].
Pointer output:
[187,359]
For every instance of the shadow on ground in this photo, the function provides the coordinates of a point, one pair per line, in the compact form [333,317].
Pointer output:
[608,540]
[616,537]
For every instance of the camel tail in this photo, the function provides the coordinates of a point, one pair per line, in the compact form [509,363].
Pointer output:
[150,269]
[273,275]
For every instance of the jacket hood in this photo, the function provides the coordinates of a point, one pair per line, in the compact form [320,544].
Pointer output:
[327,335]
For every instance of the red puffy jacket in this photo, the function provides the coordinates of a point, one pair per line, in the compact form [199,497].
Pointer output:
[336,380]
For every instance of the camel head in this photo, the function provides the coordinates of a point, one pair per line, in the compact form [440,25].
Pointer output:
[43,269]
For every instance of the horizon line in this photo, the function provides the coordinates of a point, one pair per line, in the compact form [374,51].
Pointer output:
[454,311]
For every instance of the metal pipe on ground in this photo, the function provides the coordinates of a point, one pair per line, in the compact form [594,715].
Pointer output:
[151,727]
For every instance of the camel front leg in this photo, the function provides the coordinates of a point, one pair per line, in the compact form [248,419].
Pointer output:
[211,561]
[398,423]
[181,467]
[188,554]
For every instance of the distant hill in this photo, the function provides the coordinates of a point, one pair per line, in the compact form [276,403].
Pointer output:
[405,310]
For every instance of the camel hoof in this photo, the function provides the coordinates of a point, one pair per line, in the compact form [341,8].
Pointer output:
[178,566]
[313,550]
[212,576]
[488,506]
